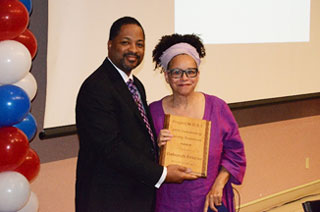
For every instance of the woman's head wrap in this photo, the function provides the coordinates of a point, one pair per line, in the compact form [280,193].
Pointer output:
[177,49]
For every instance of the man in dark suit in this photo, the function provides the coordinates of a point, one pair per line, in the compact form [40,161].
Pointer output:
[117,166]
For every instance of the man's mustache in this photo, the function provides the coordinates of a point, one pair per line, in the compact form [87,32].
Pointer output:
[131,54]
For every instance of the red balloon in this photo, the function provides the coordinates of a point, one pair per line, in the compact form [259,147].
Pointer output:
[14,19]
[29,40]
[14,147]
[31,165]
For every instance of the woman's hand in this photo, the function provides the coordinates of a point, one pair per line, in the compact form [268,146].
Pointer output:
[214,197]
[164,137]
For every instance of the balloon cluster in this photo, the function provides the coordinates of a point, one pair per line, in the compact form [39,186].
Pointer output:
[19,164]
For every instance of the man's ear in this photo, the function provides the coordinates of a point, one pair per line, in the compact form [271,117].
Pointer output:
[109,44]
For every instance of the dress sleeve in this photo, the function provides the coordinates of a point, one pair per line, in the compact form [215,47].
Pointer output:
[233,154]
[157,115]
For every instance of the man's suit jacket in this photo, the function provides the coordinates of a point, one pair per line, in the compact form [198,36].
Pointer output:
[116,170]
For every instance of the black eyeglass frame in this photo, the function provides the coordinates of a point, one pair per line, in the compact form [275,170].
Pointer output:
[187,72]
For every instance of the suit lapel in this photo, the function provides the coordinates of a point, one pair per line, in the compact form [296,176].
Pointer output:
[121,87]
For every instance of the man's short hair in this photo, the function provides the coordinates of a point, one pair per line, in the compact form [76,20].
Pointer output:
[116,26]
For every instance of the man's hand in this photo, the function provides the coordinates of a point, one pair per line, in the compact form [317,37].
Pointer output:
[177,174]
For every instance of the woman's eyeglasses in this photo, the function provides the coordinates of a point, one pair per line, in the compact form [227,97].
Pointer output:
[177,73]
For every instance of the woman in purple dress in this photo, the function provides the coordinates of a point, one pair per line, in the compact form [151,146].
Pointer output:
[179,57]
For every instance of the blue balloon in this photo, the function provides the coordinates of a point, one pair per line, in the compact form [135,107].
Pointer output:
[27,4]
[14,105]
[28,125]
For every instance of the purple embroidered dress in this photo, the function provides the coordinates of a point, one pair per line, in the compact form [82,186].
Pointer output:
[226,149]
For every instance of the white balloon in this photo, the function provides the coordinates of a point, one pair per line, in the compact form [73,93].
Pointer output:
[32,205]
[15,61]
[14,191]
[29,85]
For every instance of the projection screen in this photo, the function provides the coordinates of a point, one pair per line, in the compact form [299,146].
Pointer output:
[256,49]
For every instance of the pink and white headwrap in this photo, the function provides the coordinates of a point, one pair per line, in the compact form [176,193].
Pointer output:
[177,49]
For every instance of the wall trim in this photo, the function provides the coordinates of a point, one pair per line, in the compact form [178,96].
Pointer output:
[282,197]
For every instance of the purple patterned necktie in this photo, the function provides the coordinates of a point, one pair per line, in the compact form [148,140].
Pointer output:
[134,91]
